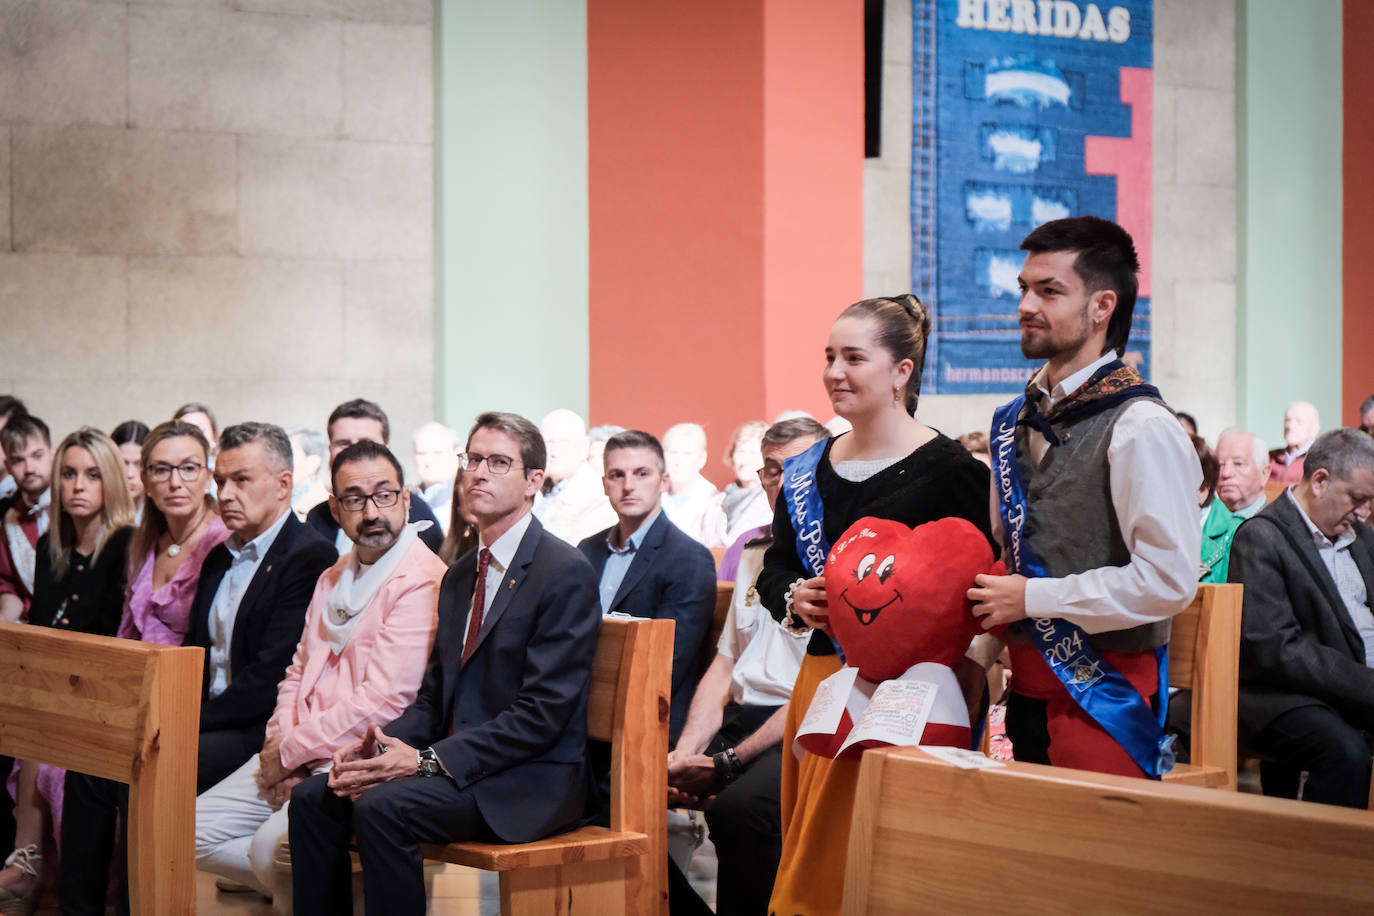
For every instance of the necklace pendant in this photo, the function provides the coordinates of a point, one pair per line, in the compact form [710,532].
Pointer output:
[173,550]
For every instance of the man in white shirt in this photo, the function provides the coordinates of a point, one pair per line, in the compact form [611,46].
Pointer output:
[251,598]
[436,460]
[1102,537]
[572,504]
[1307,633]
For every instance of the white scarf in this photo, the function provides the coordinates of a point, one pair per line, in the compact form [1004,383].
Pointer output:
[353,593]
[21,551]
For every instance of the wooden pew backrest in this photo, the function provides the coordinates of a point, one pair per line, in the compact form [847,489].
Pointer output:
[123,710]
[1204,657]
[928,836]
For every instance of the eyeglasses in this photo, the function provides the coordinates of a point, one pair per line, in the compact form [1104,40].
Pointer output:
[382,499]
[497,464]
[161,472]
[769,474]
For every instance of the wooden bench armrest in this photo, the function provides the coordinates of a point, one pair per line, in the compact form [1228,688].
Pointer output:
[587,844]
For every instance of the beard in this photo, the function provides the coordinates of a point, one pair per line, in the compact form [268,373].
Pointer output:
[376,535]
[1050,342]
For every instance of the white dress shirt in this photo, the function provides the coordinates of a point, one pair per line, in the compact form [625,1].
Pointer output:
[1155,477]
[767,656]
[1346,574]
[502,555]
[224,607]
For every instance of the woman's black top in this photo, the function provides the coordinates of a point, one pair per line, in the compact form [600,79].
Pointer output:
[90,596]
[938,480]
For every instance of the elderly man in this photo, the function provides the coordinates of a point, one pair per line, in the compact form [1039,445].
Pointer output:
[436,460]
[1301,423]
[1367,415]
[1243,462]
[1307,634]
[309,470]
[690,497]
[353,421]
[573,505]
[493,746]
[251,598]
[367,634]
[731,746]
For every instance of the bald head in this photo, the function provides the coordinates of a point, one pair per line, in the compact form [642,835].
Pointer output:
[436,454]
[565,437]
[1301,423]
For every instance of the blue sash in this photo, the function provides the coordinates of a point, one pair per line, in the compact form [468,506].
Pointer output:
[1101,691]
[806,513]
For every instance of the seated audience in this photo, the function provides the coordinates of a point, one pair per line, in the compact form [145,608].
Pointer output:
[1242,469]
[179,528]
[129,437]
[690,495]
[1307,634]
[731,745]
[462,527]
[573,505]
[202,418]
[1301,423]
[977,444]
[646,567]
[1189,424]
[1218,522]
[78,586]
[309,469]
[23,516]
[597,437]
[436,460]
[1367,415]
[803,431]
[9,406]
[492,748]
[367,635]
[742,505]
[250,602]
[355,421]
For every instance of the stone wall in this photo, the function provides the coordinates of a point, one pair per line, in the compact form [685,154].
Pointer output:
[1193,307]
[227,201]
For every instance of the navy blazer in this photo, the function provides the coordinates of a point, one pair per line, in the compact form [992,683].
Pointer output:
[322,521]
[671,577]
[511,724]
[1298,645]
[267,627]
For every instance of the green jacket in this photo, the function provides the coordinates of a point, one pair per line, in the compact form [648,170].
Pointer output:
[1217,531]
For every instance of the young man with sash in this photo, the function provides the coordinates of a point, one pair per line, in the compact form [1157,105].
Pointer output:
[1094,490]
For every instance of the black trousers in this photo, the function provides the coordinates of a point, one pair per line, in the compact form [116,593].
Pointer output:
[1335,754]
[6,808]
[91,809]
[745,823]
[390,822]
[222,752]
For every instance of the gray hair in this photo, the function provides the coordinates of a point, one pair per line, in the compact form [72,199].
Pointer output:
[785,431]
[311,441]
[1257,445]
[1341,452]
[273,438]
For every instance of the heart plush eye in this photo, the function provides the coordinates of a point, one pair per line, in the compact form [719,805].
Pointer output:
[885,569]
[866,566]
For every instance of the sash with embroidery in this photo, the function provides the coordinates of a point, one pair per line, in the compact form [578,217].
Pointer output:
[1101,691]
[806,513]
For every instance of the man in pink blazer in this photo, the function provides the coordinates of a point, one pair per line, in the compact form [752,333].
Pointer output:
[368,633]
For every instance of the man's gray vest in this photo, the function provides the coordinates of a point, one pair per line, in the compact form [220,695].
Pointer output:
[1071,523]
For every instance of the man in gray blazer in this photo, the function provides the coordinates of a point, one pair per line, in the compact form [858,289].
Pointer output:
[1307,635]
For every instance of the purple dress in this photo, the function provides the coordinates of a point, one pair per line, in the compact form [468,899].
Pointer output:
[164,615]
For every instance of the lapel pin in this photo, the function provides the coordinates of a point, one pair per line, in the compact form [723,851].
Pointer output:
[269,567]
[510,584]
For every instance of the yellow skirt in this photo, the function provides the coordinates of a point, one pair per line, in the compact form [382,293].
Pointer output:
[817,801]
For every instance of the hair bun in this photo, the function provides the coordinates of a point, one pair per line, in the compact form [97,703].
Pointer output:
[914,307]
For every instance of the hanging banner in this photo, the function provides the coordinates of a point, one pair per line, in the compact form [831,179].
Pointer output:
[1024,111]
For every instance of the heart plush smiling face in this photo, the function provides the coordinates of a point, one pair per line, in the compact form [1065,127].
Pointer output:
[898,595]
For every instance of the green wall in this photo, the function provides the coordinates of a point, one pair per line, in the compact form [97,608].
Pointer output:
[510,207]
[1288,102]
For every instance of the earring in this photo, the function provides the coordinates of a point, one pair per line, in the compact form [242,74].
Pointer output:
[896,395]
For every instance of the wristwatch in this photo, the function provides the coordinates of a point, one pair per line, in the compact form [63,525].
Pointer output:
[428,762]
[728,766]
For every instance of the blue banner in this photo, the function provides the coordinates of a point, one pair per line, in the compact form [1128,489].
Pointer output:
[1023,111]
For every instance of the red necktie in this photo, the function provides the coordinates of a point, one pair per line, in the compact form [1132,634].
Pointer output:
[479,600]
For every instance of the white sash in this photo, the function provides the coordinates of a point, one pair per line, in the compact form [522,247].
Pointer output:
[21,551]
[353,593]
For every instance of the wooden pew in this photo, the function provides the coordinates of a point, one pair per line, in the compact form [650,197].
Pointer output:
[596,870]
[928,837]
[725,593]
[123,710]
[1204,657]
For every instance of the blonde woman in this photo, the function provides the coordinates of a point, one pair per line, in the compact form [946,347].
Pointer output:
[79,586]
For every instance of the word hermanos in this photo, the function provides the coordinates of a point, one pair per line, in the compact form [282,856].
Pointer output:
[1057,18]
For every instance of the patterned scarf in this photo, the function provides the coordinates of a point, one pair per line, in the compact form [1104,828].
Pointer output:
[1109,386]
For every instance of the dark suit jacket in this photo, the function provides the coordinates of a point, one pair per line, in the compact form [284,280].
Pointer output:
[672,577]
[267,627]
[511,724]
[324,525]
[1298,644]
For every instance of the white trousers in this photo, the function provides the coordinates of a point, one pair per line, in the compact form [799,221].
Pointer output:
[237,831]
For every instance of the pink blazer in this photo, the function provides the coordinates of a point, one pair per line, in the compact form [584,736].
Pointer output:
[327,701]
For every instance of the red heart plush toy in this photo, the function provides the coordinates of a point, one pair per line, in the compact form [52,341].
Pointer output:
[898,595]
